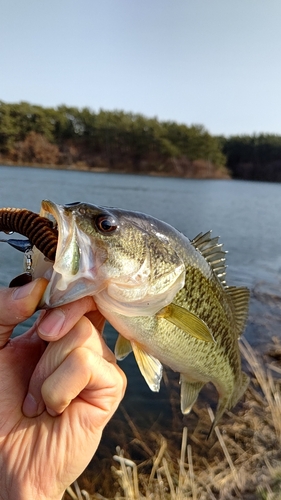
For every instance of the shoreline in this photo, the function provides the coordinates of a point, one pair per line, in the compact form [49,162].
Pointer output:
[85,168]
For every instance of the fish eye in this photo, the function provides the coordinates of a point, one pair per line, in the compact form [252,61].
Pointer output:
[106,223]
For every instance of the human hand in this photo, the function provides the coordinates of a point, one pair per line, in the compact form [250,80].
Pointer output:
[73,384]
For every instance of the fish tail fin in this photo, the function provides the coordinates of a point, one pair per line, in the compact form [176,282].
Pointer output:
[211,430]
[221,407]
[239,390]
[227,402]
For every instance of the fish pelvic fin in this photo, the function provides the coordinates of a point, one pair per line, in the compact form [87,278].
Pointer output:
[229,402]
[150,367]
[189,394]
[186,321]
[123,347]
[240,297]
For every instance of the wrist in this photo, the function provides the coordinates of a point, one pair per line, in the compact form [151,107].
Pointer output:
[24,492]
[21,481]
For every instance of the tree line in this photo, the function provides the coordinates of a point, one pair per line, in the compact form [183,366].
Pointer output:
[256,157]
[128,142]
[114,141]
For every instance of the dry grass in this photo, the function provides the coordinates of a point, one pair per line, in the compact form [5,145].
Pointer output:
[242,460]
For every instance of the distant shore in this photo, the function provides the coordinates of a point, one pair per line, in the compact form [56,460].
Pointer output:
[83,167]
[123,142]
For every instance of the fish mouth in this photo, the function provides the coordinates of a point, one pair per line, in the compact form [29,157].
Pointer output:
[73,275]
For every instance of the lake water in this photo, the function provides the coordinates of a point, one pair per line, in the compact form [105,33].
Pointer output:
[246,215]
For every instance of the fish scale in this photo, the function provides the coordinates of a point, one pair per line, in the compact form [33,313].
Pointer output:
[217,313]
[196,297]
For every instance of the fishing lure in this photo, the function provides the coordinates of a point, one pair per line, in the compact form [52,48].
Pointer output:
[39,230]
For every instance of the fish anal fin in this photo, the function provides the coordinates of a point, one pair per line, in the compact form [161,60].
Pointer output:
[189,394]
[187,321]
[150,367]
[240,299]
[123,347]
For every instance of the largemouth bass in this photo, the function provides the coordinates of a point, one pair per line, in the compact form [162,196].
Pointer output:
[165,295]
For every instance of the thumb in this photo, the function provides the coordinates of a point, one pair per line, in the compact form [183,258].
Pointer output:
[18,304]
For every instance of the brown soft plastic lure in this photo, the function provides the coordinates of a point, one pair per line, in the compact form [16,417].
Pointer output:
[39,230]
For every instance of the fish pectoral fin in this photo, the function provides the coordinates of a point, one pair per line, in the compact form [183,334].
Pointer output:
[187,321]
[123,347]
[189,394]
[150,367]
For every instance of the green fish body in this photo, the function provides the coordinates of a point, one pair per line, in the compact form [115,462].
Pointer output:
[164,294]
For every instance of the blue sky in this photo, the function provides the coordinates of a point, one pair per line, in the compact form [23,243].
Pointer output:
[210,62]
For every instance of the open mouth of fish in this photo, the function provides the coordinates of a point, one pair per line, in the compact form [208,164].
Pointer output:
[60,251]
[73,274]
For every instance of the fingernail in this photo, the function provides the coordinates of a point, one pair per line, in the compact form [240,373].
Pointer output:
[23,291]
[53,413]
[51,324]
[30,406]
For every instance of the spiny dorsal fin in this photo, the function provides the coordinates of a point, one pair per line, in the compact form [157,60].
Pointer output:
[240,299]
[213,253]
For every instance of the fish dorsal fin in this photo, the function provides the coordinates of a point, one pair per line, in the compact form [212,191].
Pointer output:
[213,252]
[150,367]
[186,321]
[240,299]
[122,348]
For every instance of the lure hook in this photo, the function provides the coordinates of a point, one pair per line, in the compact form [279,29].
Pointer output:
[21,245]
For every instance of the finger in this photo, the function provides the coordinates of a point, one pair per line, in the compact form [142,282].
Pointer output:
[100,384]
[83,335]
[59,321]
[18,304]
